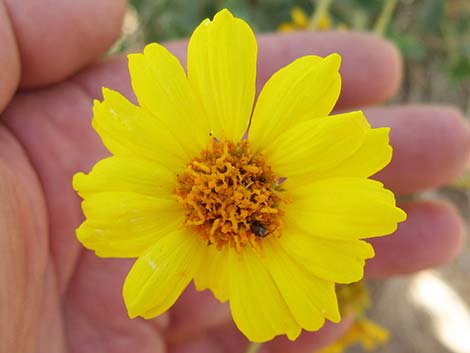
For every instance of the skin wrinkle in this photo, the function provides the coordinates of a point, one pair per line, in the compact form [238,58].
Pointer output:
[9,59]
[22,232]
[51,337]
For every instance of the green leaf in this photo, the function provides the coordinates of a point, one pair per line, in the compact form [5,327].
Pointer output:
[460,71]
[431,15]
[409,45]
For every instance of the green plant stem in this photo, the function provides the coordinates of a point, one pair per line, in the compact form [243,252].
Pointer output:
[320,11]
[385,17]
[253,347]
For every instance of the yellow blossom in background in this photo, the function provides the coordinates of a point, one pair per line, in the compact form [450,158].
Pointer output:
[301,21]
[324,23]
[354,300]
[266,206]
[364,332]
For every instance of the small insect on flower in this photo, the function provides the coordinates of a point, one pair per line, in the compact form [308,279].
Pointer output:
[258,229]
[266,206]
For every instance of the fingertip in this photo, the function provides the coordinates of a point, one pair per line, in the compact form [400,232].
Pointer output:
[371,66]
[372,69]
[462,126]
[457,231]
[64,37]
[9,59]
[433,235]
[452,226]
[431,145]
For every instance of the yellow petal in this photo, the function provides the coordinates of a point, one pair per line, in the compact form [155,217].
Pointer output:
[160,275]
[128,131]
[222,72]
[258,309]
[344,208]
[336,260]
[162,88]
[309,298]
[214,273]
[299,17]
[117,174]
[123,224]
[373,155]
[307,88]
[310,148]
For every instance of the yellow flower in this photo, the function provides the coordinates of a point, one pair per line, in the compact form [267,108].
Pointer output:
[268,219]
[364,332]
[324,22]
[301,21]
[354,299]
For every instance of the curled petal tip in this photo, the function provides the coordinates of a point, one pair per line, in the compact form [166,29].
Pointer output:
[333,60]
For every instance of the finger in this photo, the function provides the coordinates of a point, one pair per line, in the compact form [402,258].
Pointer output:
[43,135]
[309,341]
[432,235]
[9,59]
[196,319]
[227,339]
[23,240]
[51,337]
[371,68]
[63,37]
[94,312]
[194,314]
[431,145]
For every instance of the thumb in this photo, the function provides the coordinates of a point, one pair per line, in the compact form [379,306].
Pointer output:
[24,248]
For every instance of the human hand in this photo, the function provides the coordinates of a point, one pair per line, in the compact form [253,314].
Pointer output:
[58,297]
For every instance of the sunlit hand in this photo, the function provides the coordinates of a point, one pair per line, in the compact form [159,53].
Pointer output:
[57,297]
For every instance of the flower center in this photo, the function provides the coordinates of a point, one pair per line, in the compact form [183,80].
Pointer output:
[230,196]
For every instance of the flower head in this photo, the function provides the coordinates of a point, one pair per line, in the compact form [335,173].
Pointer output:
[266,207]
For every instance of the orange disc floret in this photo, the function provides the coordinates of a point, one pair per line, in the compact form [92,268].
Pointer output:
[230,196]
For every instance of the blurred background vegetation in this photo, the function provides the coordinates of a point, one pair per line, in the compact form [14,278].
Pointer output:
[433,35]
[434,38]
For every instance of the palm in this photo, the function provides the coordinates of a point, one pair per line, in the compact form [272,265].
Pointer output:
[62,298]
